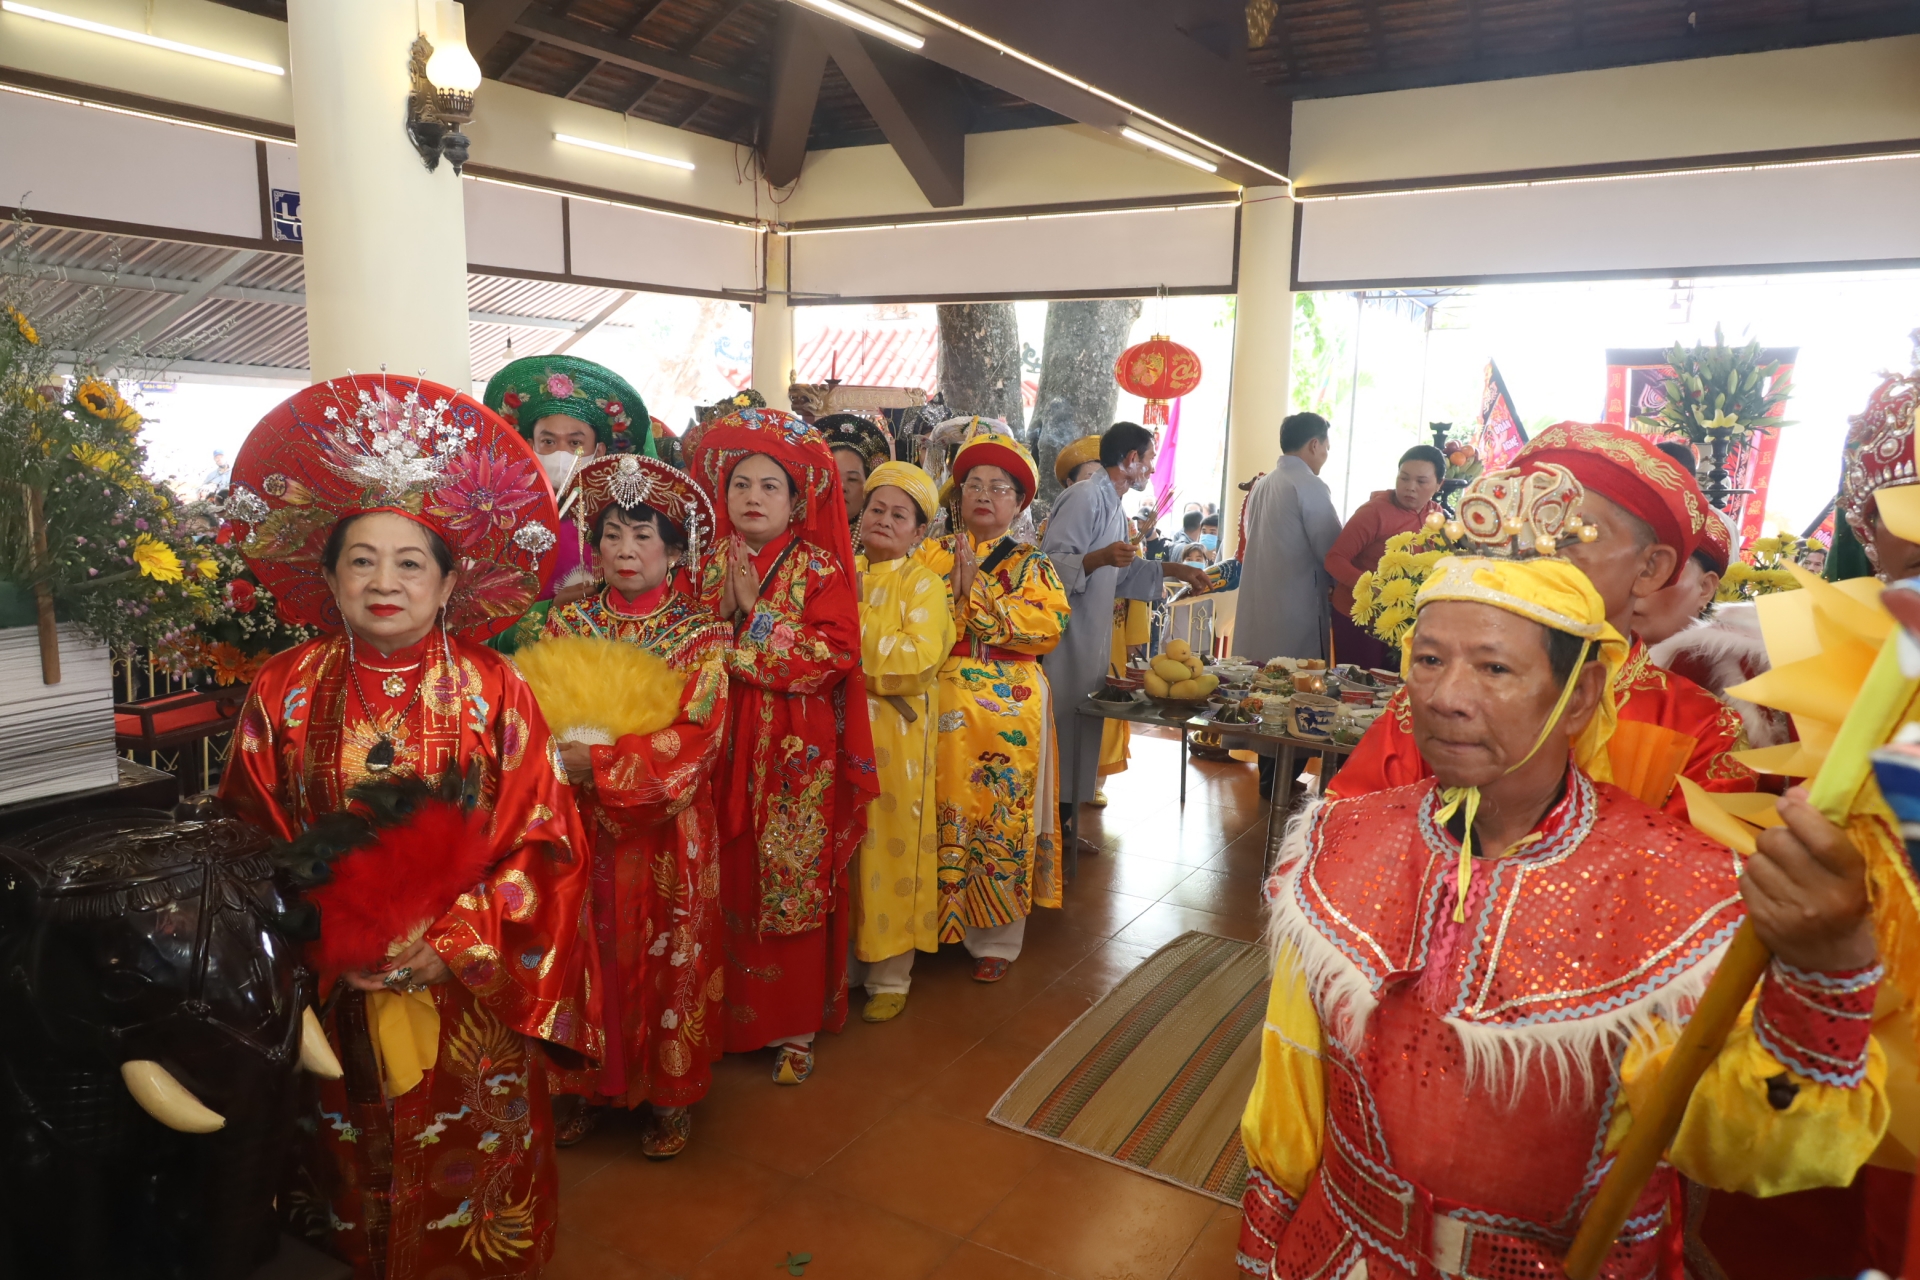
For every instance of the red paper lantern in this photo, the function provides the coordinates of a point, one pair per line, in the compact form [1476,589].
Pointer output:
[1157,370]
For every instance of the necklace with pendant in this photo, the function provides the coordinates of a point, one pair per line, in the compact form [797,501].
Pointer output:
[381,754]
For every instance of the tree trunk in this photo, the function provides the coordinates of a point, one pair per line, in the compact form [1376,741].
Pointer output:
[1077,390]
[980,361]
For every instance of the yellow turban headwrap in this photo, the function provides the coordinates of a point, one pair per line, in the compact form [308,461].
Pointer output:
[916,483]
[1085,449]
[1553,593]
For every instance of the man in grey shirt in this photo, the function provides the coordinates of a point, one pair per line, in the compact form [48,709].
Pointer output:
[1291,525]
[1086,539]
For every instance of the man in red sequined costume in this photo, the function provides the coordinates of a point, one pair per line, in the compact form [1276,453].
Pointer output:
[1455,1042]
[1650,515]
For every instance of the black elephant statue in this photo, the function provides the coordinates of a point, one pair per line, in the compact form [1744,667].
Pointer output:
[152,1020]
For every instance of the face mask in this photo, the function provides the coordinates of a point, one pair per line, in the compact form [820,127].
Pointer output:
[559,466]
[1210,540]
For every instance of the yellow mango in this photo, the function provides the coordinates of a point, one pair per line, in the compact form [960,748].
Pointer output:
[1170,670]
[1156,686]
[1187,691]
[1178,650]
[1208,682]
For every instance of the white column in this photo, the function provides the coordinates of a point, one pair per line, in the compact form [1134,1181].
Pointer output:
[1262,345]
[385,241]
[773,330]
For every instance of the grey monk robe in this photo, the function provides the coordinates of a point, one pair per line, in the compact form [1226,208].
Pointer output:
[1087,517]
[1284,610]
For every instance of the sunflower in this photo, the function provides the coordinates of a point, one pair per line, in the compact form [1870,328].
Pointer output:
[105,461]
[100,399]
[157,560]
[27,330]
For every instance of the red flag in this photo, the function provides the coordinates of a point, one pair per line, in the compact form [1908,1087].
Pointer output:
[1501,435]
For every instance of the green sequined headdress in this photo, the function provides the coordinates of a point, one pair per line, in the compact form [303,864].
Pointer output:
[537,387]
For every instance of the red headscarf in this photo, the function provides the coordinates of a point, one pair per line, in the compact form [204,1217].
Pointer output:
[1624,467]
[715,448]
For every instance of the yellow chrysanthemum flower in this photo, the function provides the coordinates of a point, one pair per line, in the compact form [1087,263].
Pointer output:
[1395,562]
[1397,592]
[1426,560]
[208,568]
[156,559]
[27,330]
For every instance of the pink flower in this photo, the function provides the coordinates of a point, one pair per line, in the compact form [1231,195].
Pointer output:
[781,638]
[559,386]
[483,496]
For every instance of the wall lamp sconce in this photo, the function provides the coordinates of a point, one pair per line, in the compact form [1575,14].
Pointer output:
[441,100]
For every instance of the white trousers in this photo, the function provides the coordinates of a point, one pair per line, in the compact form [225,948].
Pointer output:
[895,973]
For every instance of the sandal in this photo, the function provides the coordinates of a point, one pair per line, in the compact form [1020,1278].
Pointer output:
[792,1064]
[669,1133]
[991,969]
[579,1122]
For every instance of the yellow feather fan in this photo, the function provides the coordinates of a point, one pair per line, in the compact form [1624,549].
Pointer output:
[599,691]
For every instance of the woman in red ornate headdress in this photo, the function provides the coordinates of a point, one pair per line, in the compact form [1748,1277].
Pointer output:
[410,523]
[640,732]
[799,770]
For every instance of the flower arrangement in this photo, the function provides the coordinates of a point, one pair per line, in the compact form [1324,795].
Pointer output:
[1718,389]
[1383,597]
[243,629]
[1765,571]
[82,527]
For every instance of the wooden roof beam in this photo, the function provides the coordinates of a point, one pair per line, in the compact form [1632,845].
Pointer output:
[579,37]
[1131,49]
[488,20]
[799,61]
[918,106]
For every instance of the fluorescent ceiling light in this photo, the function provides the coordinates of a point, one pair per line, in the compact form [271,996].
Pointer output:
[140,37]
[1168,149]
[628,152]
[865,21]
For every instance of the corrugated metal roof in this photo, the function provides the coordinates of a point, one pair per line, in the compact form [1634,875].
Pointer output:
[102,295]
[885,354]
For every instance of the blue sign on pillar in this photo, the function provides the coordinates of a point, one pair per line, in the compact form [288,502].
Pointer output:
[286,215]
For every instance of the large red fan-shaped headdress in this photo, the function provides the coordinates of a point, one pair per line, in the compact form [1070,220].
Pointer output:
[375,442]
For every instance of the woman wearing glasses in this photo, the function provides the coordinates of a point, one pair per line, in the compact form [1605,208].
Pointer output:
[996,783]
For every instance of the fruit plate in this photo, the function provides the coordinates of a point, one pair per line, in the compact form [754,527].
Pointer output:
[1192,705]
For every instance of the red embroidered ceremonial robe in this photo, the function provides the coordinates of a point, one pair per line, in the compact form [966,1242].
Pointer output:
[656,860]
[1443,1099]
[793,796]
[455,1177]
[1669,727]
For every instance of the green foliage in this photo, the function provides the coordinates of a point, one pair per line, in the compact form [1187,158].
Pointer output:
[1319,357]
[1719,389]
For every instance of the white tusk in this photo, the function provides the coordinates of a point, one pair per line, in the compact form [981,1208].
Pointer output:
[166,1099]
[316,1055]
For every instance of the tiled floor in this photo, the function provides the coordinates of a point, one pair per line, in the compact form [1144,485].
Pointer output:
[883,1166]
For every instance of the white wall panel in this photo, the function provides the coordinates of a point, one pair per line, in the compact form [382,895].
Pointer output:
[1835,215]
[1130,252]
[659,250]
[515,228]
[58,157]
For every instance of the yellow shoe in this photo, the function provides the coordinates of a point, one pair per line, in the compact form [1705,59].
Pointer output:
[884,1007]
[1099,800]
[792,1064]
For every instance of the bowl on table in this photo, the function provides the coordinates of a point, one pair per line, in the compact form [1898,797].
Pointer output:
[1310,715]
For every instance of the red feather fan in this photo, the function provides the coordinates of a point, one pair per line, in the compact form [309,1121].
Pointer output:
[412,872]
